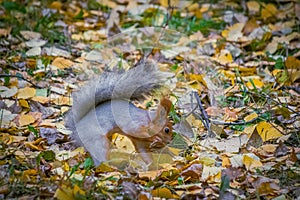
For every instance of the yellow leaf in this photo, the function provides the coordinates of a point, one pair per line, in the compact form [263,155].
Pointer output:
[251,163]
[78,190]
[198,77]
[55,5]
[276,71]
[249,130]
[63,101]
[122,142]
[64,193]
[268,131]
[104,168]
[269,11]
[62,63]
[23,103]
[38,144]
[66,167]
[8,139]
[41,99]
[26,120]
[207,161]
[30,172]
[225,33]
[251,116]
[224,58]
[225,161]
[164,193]
[26,93]
[257,83]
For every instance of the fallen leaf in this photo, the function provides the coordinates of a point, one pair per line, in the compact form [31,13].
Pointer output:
[164,193]
[5,32]
[64,193]
[292,63]
[25,120]
[268,11]
[35,51]
[6,117]
[28,35]
[212,174]
[266,186]
[251,162]
[250,117]
[235,32]
[6,92]
[36,42]
[26,93]
[253,7]
[254,83]
[268,131]
[62,63]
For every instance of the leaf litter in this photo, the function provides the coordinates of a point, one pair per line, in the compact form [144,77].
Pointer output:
[241,135]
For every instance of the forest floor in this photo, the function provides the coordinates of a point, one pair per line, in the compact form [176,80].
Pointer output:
[234,82]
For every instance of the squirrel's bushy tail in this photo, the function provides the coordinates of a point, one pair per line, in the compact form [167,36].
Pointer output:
[111,85]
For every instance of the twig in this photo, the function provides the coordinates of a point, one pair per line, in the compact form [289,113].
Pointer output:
[233,123]
[203,112]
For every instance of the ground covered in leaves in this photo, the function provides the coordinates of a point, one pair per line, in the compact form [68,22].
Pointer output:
[235,88]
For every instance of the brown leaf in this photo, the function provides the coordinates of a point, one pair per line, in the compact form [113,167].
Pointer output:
[281,150]
[193,172]
[292,63]
[266,186]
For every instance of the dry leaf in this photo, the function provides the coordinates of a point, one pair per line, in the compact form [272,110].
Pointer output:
[25,120]
[257,83]
[8,92]
[253,7]
[26,93]
[62,63]
[251,162]
[164,193]
[268,11]
[268,131]
[235,32]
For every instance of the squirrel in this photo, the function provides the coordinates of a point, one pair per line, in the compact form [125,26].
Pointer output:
[102,107]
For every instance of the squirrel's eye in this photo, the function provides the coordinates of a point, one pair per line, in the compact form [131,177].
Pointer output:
[167,130]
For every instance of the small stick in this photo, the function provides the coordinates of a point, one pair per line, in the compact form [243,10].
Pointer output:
[203,112]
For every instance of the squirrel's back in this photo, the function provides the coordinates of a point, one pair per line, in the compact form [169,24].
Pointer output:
[118,87]
[115,85]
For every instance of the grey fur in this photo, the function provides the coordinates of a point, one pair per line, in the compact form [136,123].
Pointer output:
[90,120]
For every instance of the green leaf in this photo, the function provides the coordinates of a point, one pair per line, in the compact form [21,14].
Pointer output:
[32,129]
[9,6]
[48,155]
[88,163]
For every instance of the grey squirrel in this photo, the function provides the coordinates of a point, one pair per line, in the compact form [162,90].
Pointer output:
[102,107]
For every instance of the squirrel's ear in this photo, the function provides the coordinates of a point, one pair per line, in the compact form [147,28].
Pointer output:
[166,104]
[162,112]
